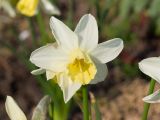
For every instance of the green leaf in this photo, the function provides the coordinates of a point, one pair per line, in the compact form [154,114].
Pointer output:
[125,7]
[139,5]
[154,8]
[109,3]
[41,109]
[107,7]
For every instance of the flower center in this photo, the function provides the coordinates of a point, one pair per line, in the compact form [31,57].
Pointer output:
[27,7]
[81,68]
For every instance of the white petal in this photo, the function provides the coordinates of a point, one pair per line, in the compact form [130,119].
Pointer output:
[151,67]
[108,50]
[87,31]
[65,37]
[102,72]
[13,111]
[50,74]
[8,8]
[50,8]
[153,98]
[38,71]
[68,87]
[48,57]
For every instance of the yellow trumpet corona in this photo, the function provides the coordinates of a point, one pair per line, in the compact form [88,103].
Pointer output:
[81,67]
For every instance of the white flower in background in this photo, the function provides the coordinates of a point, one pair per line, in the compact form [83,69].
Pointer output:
[24,35]
[13,110]
[7,7]
[76,58]
[50,8]
[151,67]
[29,7]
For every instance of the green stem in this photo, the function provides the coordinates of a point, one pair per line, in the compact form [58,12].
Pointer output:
[41,24]
[98,113]
[52,109]
[31,25]
[147,105]
[70,13]
[85,103]
[98,14]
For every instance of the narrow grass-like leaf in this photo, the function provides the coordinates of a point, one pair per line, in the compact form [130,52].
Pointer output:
[139,5]
[125,7]
[94,108]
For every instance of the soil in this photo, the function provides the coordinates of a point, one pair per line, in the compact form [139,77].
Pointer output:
[127,104]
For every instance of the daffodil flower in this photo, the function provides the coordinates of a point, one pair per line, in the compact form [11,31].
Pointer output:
[6,5]
[76,58]
[151,67]
[13,110]
[29,7]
